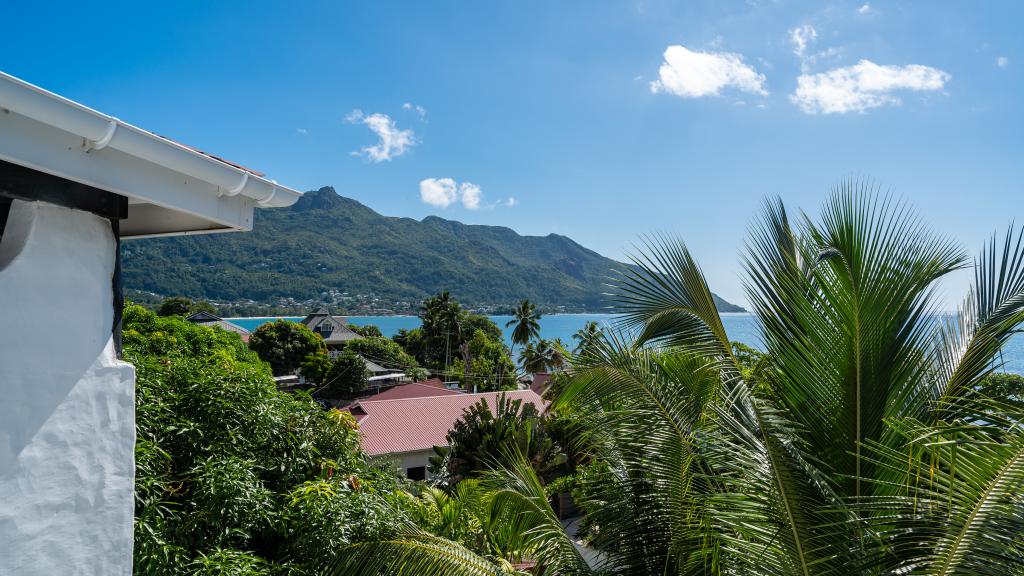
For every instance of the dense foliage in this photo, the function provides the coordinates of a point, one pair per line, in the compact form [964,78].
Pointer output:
[1003,385]
[367,331]
[860,442]
[542,356]
[463,347]
[490,367]
[181,306]
[232,476]
[482,439]
[347,377]
[383,351]
[329,243]
[285,345]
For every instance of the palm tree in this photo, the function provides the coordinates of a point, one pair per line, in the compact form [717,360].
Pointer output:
[858,444]
[584,336]
[526,320]
[543,356]
[517,522]
[559,355]
[535,357]
[442,318]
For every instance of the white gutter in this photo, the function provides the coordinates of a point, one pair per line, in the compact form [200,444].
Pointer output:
[100,131]
[391,376]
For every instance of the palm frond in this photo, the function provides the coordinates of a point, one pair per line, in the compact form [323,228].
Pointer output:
[644,409]
[413,552]
[518,501]
[953,504]
[778,512]
[848,333]
[665,297]
[969,343]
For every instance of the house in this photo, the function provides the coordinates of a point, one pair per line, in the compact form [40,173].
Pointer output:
[383,377]
[333,329]
[405,430]
[540,382]
[204,318]
[74,184]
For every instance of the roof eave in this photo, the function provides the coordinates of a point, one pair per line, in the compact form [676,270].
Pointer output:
[172,188]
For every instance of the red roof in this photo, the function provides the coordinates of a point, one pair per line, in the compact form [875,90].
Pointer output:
[435,382]
[413,390]
[414,424]
[540,382]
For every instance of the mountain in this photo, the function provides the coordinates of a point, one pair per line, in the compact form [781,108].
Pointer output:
[335,250]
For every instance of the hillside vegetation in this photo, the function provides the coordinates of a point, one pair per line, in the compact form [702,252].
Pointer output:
[326,246]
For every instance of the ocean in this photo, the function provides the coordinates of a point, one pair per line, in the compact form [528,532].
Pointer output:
[740,327]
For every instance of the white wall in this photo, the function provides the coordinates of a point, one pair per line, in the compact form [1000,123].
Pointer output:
[67,420]
[406,460]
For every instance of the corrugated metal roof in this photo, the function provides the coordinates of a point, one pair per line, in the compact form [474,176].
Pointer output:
[412,390]
[414,424]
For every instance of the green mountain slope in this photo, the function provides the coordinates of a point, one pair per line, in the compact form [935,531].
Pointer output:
[326,246]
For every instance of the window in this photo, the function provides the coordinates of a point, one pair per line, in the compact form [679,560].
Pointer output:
[325,328]
[417,473]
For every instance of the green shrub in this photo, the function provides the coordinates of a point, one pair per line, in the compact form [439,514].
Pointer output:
[284,345]
[220,454]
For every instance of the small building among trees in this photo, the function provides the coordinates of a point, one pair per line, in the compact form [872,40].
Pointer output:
[405,428]
[211,320]
[333,329]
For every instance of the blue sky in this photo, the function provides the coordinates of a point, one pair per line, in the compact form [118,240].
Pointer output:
[603,120]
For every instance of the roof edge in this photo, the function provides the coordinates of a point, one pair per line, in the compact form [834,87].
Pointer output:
[99,130]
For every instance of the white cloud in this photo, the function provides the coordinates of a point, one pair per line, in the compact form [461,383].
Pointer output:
[443,192]
[1002,61]
[393,141]
[863,86]
[511,201]
[419,109]
[471,195]
[865,9]
[440,192]
[690,74]
[802,36]
[302,131]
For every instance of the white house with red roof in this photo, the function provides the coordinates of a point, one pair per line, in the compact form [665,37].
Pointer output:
[406,429]
[74,183]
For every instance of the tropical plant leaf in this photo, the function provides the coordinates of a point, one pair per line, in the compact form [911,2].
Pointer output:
[413,552]
[664,295]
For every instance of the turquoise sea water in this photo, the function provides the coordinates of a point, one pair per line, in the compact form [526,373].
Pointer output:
[740,327]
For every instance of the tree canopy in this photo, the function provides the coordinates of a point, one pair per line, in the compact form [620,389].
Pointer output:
[525,323]
[347,376]
[383,351]
[449,335]
[232,476]
[284,345]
